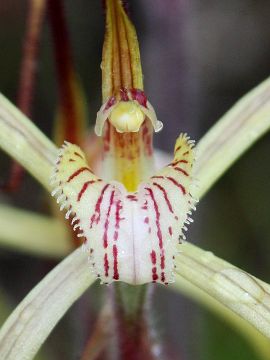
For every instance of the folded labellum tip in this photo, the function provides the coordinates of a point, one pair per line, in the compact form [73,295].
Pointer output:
[129,236]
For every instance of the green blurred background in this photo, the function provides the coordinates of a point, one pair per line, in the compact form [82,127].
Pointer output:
[198,58]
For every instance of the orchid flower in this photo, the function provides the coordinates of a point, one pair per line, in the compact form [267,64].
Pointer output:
[130,215]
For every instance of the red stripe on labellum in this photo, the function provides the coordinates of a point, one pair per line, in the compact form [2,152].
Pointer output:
[85,186]
[154,274]
[97,207]
[165,196]
[162,261]
[132,197]
[177,149]
[170,230]
[186,153]
[176,183]
[181,171]
[180,161]
[153,257]
[145,206]
[71,160]
[106,265]
[159,233]
[117,214]
[117,219]
[146,220]
[77,154]
[106,226]
[115,263]
[157,177]
[78,172]
[162,277]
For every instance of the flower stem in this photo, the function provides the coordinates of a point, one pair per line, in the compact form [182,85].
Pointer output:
[132,312]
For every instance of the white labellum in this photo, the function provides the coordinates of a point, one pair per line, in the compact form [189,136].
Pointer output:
[131,237]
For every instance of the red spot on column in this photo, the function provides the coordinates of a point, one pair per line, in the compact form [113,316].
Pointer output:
[110,103]
[123,94]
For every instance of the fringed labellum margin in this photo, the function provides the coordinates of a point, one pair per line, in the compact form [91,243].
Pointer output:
[130,237]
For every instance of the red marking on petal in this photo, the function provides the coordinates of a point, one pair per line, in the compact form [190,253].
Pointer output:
[77,154]
[157,177]
[162,261]
[140,96]
[123,94]
[106,265]
[176,183]
[165,196]
[181,171]
[186,153]
[153,257]
[115,263]
[162,277]
[115,236]
[178,148]
[154,274]
[170,230]
[179,161]
[110,103]
[117,219]
[132,197]
[71,160]
[78,172]
[159,233]
[106,226]
[97,207]
[117,214]
[146,220]
[84,188]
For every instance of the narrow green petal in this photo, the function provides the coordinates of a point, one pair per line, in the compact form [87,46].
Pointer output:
[33,233]
[34,318]
[231,136]
[239,291]
[25,143]
[260,342]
